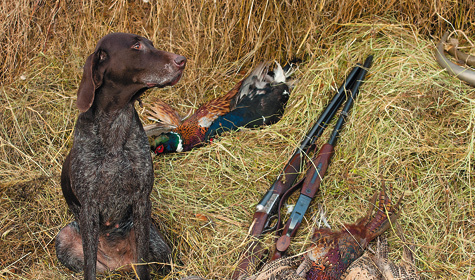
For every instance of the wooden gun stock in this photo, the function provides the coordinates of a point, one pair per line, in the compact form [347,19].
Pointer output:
[252,257]
[317,170]
[310,186]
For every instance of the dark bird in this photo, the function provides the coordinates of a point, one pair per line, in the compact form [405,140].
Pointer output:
[258,99]
[263,103]
[332,252]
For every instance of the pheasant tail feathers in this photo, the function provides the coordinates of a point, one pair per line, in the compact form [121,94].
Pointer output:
[164,116]
[384,217]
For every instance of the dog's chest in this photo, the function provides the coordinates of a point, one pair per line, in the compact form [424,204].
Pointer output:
[112,159]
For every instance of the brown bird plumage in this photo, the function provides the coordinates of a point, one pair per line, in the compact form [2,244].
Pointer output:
[406,270]
[378,266]
[363,268]
[334,251]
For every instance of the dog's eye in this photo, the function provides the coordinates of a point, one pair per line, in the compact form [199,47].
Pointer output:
[137,46]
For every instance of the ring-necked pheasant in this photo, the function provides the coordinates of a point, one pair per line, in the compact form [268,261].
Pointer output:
[332,252]
[258,99]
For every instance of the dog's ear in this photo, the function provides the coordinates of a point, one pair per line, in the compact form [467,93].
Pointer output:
[91,80]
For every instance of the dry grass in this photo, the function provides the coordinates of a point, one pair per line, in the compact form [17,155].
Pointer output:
[413,125]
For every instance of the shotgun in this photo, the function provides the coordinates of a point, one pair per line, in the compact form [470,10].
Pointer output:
[318,167]
[266,209]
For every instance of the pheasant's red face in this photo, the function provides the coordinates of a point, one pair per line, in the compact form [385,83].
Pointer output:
[159,149]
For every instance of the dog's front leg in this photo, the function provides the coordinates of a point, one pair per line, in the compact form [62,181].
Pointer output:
[89,227]
[142,216]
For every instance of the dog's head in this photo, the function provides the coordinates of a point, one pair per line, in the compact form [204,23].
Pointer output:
[130,64]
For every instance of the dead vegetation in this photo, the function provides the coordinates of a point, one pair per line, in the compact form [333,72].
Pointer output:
[413,125]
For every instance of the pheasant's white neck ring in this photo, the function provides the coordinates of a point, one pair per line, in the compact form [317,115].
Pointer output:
[179,146]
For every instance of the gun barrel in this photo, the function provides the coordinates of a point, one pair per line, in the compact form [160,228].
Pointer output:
[329,112]
[354,92]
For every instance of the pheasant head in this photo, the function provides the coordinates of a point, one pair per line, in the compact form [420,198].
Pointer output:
[168,142]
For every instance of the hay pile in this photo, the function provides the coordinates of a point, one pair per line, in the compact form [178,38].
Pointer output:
[412,126]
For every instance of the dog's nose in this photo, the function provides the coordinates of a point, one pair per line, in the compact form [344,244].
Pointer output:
[180,61]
